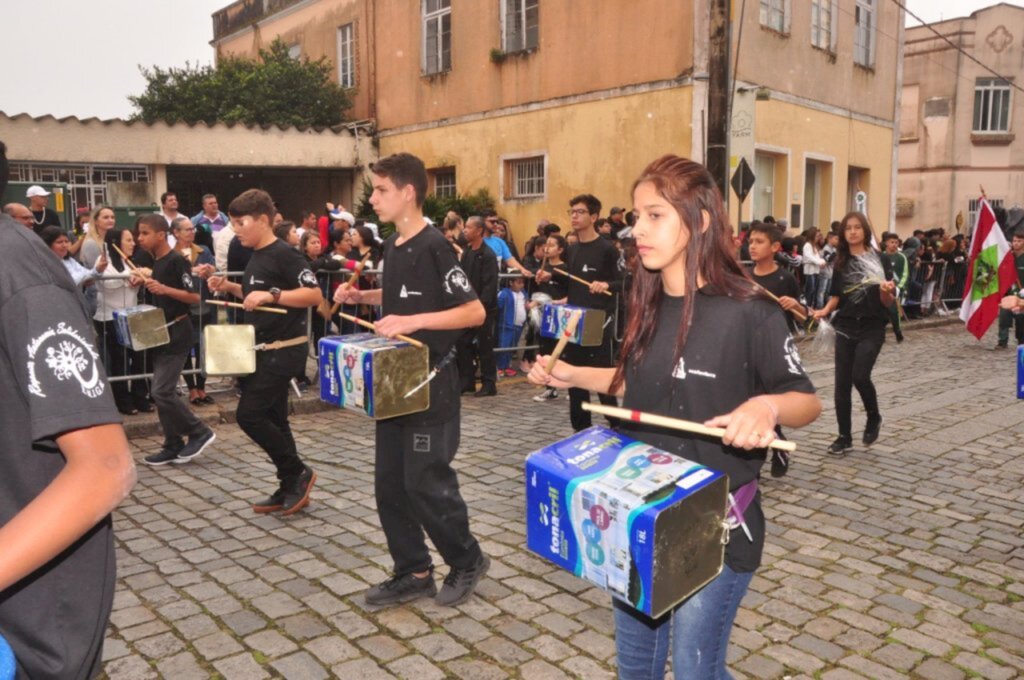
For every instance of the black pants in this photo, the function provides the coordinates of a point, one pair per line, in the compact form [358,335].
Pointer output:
[417,491]
[597,357]
[482,353]
[856,352]
[263,416]
[176,418]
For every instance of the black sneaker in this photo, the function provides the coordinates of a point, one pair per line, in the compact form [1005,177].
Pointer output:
[548,394]
[168,454]
[402,588]
[195,446]
[296,495]
[871,429]
[780,463]
[272,504]
[840,446]
[460,583]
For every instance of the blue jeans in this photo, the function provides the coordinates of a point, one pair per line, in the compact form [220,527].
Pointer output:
[508,336]
[824,284]
[811,290]
[699,630]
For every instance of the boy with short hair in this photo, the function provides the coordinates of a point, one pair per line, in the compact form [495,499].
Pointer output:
[427,295]
[900,271]
[172,288]
[511,319]
[765,240]
[277,274]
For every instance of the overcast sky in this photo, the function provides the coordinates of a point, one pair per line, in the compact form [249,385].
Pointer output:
[81,57]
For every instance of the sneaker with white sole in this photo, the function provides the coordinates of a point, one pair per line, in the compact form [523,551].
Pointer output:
[195,446]
[548,394]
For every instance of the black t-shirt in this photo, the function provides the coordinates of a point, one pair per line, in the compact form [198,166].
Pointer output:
[51,381]
[596,260]
[859,302]
[734,350]
[780,283]
[45,218]
[422,275]
[278,265]
[481,267]
[558,285]
[174,271]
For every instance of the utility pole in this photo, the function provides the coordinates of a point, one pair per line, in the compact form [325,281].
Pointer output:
[719,86]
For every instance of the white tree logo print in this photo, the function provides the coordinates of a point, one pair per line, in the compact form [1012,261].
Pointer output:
[68,355]
[67,361]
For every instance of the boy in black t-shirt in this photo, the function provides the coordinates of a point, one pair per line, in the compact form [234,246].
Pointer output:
[171,285]
[426,294]
[764,241]
[276,274]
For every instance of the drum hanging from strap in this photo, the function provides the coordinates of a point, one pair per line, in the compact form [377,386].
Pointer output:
[589,331]
[371,374]
[229,350]
[141,327]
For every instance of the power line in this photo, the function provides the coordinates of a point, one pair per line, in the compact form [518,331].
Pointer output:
[958,48]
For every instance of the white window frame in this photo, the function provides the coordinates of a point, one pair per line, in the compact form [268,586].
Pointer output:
[522,8]
[775,15]
[295,51]
[972,210]
[823,32]
[435,18]
[347,55]
[510,182]
[779,152]
[865,29]
[446,189]
[992,88]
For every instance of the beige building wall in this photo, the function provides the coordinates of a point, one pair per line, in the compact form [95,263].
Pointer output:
[314,27]
[596,147]
[943,163]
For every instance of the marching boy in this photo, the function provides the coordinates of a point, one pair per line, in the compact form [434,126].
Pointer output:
[426,294]
[171,286]
[277,275]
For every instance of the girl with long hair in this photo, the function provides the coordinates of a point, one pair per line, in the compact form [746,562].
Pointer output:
[862,293]
[703,344]
[115,292]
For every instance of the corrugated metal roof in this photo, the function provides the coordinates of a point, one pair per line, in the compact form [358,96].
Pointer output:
[336,129]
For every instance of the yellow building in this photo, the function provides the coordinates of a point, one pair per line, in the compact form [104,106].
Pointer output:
[539,101]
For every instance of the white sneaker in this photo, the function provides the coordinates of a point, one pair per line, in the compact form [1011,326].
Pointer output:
[547,395]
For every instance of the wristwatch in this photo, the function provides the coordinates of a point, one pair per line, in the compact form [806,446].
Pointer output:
[276,292]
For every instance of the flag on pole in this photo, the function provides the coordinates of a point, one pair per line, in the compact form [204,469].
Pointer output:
[990,273]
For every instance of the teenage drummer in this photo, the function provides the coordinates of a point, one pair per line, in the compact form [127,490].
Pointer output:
[171,286]
[427,295]
[277,275]
[596,260]
[701,344]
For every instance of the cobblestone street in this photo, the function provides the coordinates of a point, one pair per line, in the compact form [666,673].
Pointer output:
[902,560]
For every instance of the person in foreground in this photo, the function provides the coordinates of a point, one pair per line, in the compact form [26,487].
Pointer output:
[66,465]
[427,295]
[702,343]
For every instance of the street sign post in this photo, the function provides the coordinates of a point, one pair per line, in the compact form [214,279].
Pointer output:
[742,182]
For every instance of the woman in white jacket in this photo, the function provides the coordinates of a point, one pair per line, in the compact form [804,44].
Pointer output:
[115,292]
[813,262]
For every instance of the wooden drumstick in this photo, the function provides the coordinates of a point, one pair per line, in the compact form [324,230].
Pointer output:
[351,280]
[799,315]
[672,423]
[577,279]
[239,305]
[128,262]
[570,330]
[373,327]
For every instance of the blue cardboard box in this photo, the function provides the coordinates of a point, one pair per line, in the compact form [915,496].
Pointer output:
[645,525]
[371,374]
[589,331]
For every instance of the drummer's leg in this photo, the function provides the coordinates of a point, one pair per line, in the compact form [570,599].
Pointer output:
[264,398]
[406,541]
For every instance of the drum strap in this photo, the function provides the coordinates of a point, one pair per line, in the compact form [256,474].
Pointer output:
[281,344]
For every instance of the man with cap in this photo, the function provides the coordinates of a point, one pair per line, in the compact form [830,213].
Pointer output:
[42,216]
[617,218]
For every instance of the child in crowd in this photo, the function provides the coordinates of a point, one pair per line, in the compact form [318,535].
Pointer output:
[511,318]
[765,241]
[900,271]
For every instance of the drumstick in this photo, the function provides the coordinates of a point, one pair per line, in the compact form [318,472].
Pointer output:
[577,279]
[239,305]
[373,327]
[799,315]
[570,329]
[672,423]
[128,262]
[351,280]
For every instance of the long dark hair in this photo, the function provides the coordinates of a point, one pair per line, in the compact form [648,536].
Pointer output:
[113,237]
[843,249]
[691,191]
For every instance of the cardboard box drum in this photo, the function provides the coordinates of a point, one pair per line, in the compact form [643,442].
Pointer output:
[589,331]
[229,349]
[141,327]
[645,525]
[370,374]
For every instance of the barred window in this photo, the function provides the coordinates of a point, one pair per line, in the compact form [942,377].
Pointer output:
[437,36]
[525,177]
[972,211]
[346,56]
[773,14]
[444,182]
[520,29]
[821,24]
[864,33]
[991,105]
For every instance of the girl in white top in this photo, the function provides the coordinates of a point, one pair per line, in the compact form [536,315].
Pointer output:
[116,292]
[813,262]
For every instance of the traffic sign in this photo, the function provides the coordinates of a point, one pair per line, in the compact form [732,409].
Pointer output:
[742,180]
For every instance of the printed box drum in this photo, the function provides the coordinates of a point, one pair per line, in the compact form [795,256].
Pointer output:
[141,327]
[589,331]
[371,374]
[642,524]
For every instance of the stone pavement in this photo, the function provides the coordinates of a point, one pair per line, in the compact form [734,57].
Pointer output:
[902,560]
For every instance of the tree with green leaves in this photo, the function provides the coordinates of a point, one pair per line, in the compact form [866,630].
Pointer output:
[271,90]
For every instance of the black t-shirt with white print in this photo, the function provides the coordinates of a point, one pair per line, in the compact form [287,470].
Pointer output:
[596,260]
[51,382]
[174,271]
[278,265]
[422,275]
[734,350]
